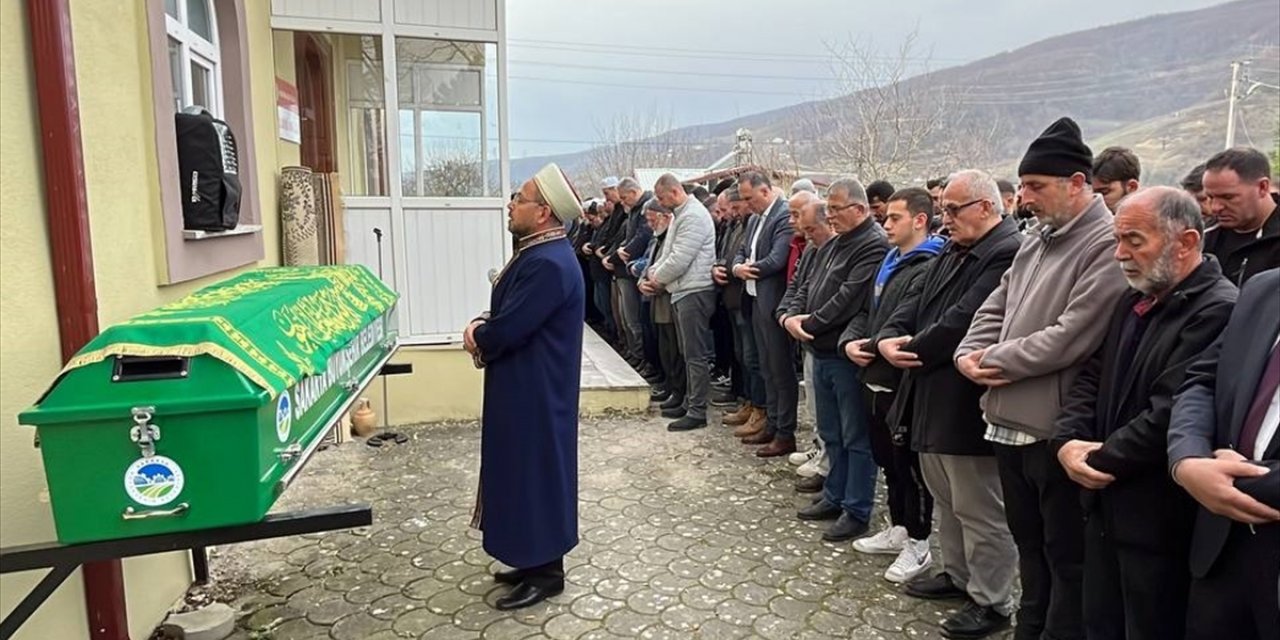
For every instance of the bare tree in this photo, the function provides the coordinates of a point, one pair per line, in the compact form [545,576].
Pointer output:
[640,138]
[890,120]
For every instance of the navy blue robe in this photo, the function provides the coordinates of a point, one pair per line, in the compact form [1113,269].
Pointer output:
[532,349]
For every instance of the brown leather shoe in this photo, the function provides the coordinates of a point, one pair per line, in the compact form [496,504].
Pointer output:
[754,425]
[779,447]
[747,430]
[759,438]
[739,417]
[758,420]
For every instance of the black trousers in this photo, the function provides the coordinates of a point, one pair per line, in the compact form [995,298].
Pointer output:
[1047,522]
[546,575]
[778,368]
[649,336]
[672,359]
[722,333]
[1132,592]
[910,503]
[1238,599]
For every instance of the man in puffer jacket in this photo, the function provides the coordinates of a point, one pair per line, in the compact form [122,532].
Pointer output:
[683,269]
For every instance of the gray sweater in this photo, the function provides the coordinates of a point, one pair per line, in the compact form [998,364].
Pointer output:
[689,252]
[1047,316]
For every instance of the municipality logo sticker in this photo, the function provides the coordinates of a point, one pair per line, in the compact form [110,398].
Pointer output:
[284,416]
[153,481]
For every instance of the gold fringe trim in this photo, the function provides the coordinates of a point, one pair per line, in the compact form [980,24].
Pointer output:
[188,350]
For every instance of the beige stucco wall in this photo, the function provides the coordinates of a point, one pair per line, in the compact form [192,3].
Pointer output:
[112,57]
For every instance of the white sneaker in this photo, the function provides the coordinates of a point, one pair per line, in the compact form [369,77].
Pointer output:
[889,541]
[914,560]
[816,466]
[800,457]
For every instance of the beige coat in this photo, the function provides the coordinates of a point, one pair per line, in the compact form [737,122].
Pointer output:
[1049,314]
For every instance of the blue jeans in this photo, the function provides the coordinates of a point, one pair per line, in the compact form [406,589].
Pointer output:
[843,426]
[745,335]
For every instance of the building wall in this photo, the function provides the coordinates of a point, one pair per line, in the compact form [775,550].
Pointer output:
[122,172]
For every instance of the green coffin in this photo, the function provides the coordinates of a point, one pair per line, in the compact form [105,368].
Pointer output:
[199,413]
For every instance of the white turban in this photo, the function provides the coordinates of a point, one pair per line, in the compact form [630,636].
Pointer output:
[559,194]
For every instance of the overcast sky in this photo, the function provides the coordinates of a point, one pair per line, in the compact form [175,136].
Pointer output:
[577,64]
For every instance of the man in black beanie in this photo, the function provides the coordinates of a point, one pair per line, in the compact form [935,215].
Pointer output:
[1027,344]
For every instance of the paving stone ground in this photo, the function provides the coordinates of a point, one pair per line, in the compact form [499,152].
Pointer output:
[683,536]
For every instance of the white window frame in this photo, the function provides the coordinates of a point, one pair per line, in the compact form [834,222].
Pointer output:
[194,49]
[421,104]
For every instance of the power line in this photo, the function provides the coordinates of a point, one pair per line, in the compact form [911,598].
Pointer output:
[748,76]
[609,47]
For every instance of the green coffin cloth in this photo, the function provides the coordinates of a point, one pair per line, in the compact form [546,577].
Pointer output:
[274,325]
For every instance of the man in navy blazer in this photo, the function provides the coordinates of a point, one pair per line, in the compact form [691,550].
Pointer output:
[1224,450]
[762,264]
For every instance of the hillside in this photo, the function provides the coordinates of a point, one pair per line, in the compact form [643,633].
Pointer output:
[1157,84]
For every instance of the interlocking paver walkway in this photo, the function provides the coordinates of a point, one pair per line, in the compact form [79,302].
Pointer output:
[683,536]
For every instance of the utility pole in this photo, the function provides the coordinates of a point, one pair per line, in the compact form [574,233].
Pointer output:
[1231,103]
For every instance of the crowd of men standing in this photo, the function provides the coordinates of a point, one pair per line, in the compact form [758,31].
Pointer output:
[1077,375]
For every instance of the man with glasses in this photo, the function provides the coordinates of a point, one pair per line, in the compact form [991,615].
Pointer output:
[832,296]
[941,407]
[1027,344]
[530,346]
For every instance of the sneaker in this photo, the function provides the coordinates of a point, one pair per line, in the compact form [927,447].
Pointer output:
[800,457]
[889,541]
[814,467]
[914,560]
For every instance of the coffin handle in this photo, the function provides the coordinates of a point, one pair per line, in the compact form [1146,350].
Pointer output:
[132,514]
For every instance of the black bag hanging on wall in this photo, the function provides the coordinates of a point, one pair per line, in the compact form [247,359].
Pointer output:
[208,167]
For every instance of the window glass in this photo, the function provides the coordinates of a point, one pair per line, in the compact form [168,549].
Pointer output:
[362,124]
[448,118]
[200,19]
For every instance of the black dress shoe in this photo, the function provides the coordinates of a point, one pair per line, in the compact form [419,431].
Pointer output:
[974,621]
[674,413]
[939,587]
[687,424]
[820,510]
[659,395]
[674,402]
[812,484]
[511,576]
[846,527]
[527,594]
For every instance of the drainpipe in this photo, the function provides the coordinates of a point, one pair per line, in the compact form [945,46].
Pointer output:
[66,206]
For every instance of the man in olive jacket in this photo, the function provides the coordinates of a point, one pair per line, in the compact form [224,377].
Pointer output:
[1026,345]
[1112,434]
